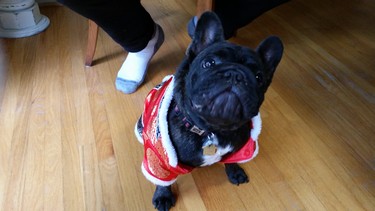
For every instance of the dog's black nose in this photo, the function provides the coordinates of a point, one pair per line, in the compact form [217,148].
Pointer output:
[234,76]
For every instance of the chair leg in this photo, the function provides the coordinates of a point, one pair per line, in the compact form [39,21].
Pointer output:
[91,42]
[204,5]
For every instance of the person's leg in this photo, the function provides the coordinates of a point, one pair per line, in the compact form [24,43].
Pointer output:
[131,26]
[235,14]
[134,68]
[126,21]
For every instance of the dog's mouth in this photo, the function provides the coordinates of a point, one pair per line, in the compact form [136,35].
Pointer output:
[223,109]
[224,105]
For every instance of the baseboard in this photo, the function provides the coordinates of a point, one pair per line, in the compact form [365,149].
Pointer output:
[45,1]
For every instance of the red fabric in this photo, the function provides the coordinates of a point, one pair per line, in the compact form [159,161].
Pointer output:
[156,160]
[242,155]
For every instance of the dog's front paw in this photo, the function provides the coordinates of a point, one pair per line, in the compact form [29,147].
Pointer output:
[163,198]
[236,174]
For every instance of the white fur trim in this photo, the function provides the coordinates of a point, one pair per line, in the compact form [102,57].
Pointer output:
[155,180]
[257,127]
[166,78]
[255,132]
[163,124]
[139,137]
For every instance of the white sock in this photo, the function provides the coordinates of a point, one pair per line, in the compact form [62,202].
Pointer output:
[135,65]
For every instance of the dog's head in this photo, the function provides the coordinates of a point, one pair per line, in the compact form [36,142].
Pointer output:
[220,86]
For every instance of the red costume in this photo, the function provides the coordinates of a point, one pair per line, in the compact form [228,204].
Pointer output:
[160,164]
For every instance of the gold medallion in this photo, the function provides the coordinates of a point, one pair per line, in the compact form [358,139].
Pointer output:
[209,149]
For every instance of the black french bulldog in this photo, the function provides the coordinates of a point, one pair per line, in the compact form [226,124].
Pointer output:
[208,112]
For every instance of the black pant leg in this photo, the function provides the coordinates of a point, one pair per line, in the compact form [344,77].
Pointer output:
[126,21]
[235,14]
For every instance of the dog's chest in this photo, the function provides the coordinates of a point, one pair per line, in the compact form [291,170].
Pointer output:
[213,152]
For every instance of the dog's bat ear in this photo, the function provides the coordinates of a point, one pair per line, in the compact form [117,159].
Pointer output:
[270,51]
[208,31]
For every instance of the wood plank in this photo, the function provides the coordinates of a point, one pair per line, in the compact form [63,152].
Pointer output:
[66,133]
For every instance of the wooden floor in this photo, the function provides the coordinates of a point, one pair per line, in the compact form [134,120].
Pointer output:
[67,139]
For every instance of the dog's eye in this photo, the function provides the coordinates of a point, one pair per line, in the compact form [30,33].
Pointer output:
[207,63]
[259,78]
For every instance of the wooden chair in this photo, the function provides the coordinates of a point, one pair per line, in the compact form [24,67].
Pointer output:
[202,6]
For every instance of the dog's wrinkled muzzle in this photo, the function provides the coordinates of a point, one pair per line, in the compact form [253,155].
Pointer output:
[227,107]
